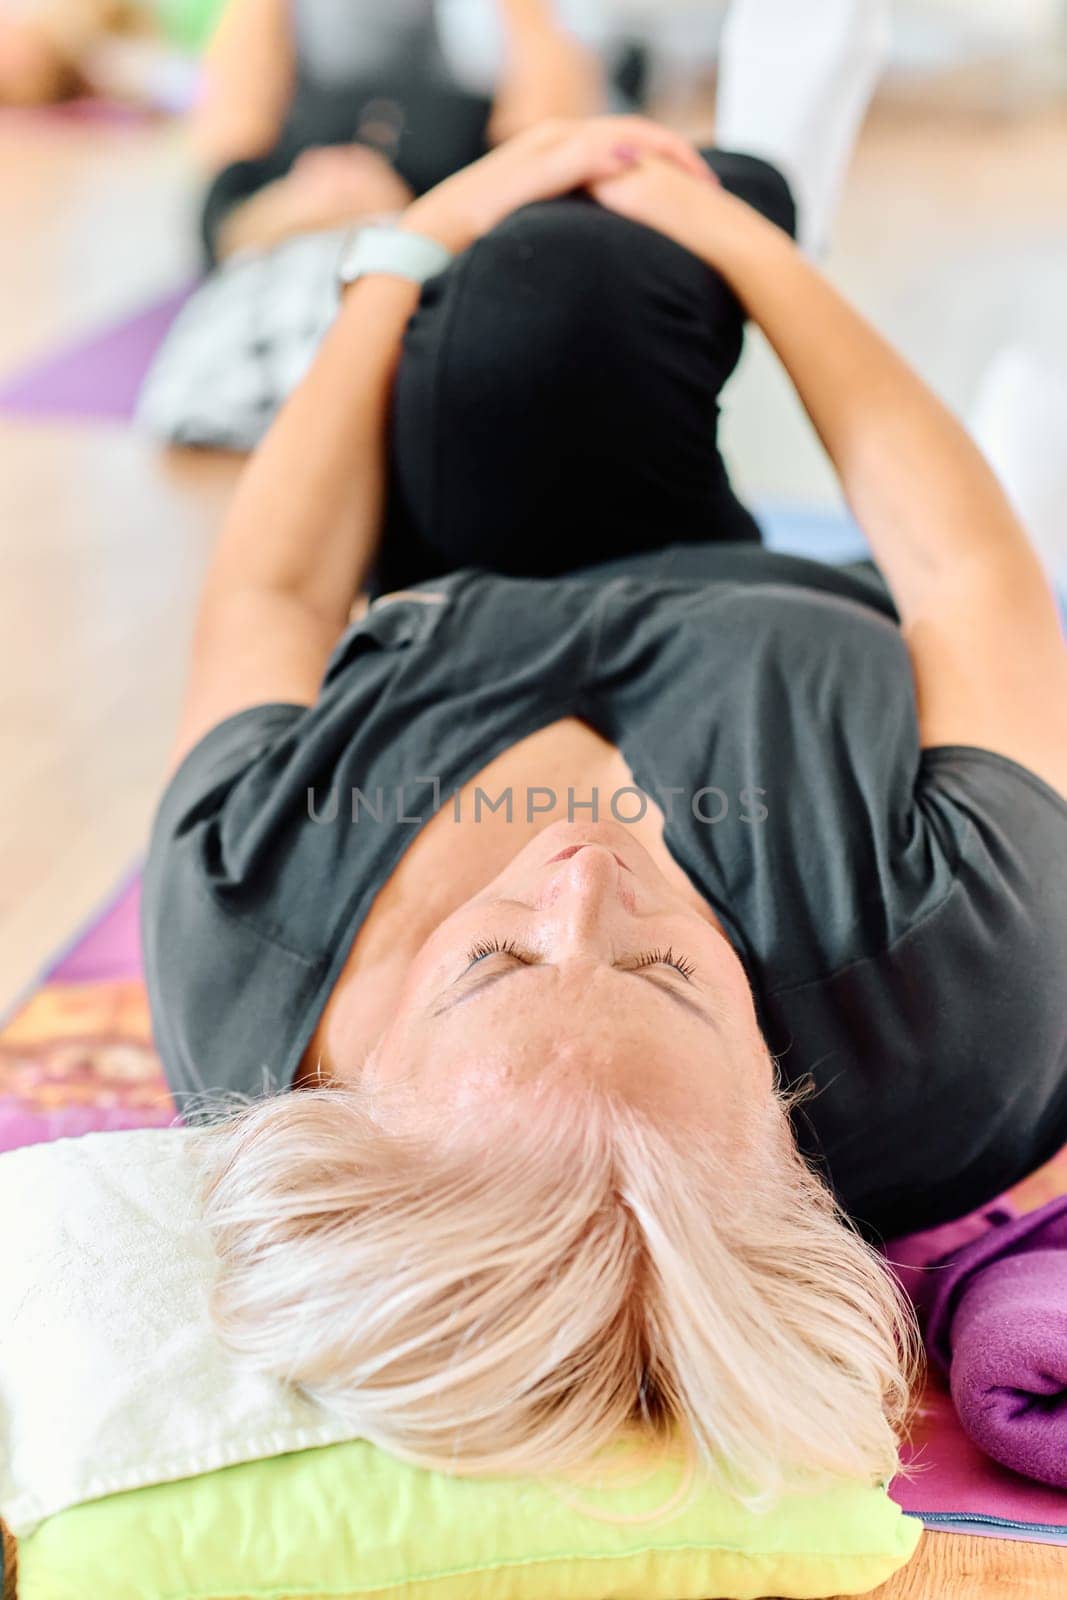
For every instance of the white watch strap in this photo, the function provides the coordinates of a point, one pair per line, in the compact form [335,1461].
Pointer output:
[393,251]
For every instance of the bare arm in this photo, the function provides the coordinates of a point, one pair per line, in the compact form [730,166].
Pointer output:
[976,610]
[546,73]
[303,528]
[247,82]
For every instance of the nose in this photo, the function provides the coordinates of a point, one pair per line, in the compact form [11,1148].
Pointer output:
[586,889]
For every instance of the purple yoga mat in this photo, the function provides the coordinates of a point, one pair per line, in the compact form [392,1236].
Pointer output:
[109,946]
[98,378]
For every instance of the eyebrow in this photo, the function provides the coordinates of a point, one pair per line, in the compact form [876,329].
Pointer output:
[683,1000]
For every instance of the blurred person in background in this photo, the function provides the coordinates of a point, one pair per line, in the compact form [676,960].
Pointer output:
[321,116]
[325,114]
[137,52]
[313,113]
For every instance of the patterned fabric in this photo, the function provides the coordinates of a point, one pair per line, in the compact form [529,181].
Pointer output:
[77,1056]
[241,344]
[76,1059]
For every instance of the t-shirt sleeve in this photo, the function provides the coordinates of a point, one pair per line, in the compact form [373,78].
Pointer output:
[247,899]
[206,969]
[944,1074]
[225,752]
[1000,946]
[1004,923]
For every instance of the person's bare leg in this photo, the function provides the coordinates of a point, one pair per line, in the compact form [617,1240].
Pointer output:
[547,72]
[328,187]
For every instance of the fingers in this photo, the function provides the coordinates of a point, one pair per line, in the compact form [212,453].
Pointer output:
[606,147]
[597,147]
[652,139]
[554,158]
[660,195]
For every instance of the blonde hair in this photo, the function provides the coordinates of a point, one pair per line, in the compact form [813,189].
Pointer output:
[509,1299]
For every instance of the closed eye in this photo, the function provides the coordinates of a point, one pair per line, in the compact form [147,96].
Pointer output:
[650,958]
[518,958]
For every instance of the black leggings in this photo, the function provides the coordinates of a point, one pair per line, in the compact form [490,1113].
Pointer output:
[556,400]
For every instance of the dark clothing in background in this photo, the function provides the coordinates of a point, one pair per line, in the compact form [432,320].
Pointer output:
[428,132]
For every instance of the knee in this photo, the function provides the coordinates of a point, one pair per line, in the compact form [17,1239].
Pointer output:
[568,294]
[566,363]
[563,305]
[759,183]
[578,268]
[531,307]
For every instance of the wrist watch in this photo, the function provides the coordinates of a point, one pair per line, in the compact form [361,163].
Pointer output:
[394,251]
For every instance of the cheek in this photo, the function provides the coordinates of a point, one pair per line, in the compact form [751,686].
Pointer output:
[728,973]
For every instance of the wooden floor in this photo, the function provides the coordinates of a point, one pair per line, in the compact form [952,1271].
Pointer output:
[954,238]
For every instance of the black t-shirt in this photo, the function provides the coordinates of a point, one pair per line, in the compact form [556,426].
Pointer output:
[902,914]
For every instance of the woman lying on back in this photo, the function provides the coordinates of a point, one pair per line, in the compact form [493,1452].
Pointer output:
[550,882]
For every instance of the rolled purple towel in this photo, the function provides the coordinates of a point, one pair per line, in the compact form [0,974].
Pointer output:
[996,1324]
[1009,1363]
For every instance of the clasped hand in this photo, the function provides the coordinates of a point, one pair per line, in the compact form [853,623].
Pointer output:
[629,164]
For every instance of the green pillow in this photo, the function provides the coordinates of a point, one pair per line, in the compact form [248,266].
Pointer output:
[348,1520]
[188,24]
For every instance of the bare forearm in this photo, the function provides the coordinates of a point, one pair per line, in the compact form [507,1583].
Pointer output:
[529,18]
[247,81]
[923,493]
[306,517]
[547,72]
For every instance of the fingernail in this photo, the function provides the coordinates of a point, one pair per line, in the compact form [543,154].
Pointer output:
[627,152]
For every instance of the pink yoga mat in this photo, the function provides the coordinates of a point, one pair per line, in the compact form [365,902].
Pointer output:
[955,1489]
[109,946]
[88,109]
[98,377]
